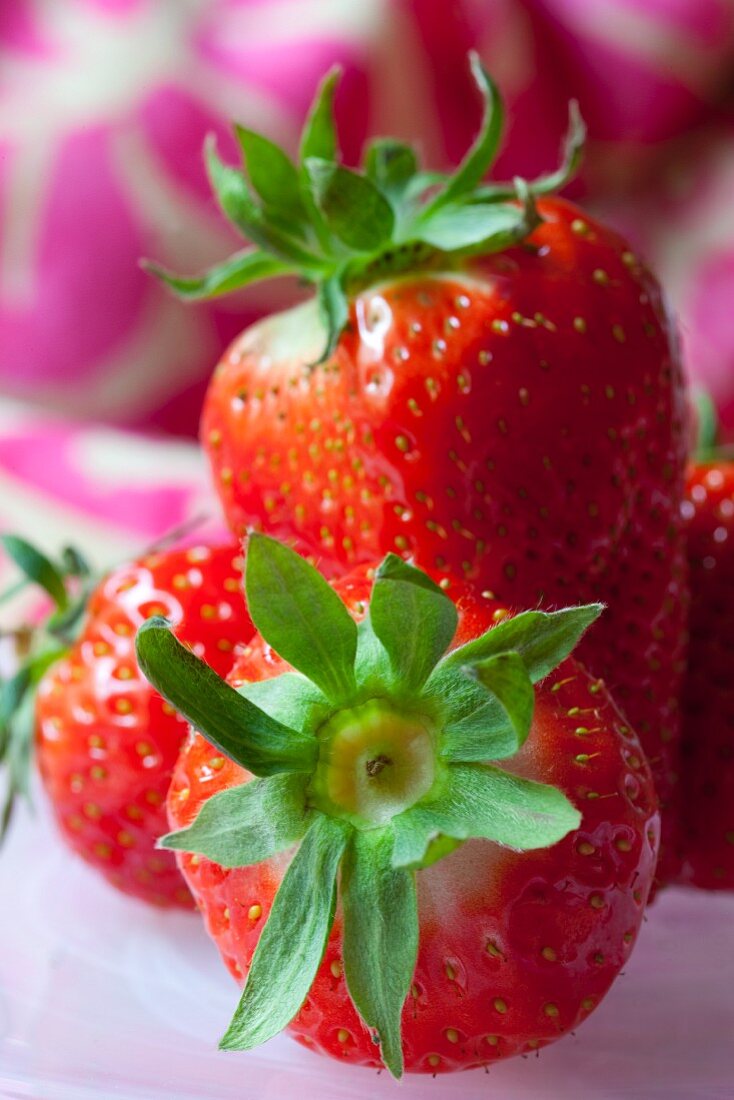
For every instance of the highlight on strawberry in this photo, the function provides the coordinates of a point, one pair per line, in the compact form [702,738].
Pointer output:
[485,381]
[419,831]
[105,743]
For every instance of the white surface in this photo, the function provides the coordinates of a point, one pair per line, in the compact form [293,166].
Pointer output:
[104,999]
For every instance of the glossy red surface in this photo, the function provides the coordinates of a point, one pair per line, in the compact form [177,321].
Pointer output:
[107,742]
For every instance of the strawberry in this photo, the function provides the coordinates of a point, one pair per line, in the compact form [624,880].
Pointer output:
[486,381]
[708,698]
[383,938]
[106,742]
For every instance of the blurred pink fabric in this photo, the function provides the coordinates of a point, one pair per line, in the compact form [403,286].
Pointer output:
[104,105]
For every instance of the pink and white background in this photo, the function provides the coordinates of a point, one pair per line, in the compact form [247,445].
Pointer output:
[104,105]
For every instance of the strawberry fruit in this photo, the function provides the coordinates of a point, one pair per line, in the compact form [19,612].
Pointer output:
[486,382]
[708,698]
[106,742]
[386,892]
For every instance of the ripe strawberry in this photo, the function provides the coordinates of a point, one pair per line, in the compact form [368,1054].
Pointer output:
[708,698]
[379,765]
[106,742]
[500,396]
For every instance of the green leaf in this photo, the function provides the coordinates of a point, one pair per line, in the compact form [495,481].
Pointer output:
[353,209]
[485,802]
[571,156]
[506,676]
[372,667]
[238,205]
[318,138]
[391,165]
[11,694]
[489,226]
[249,823]
[245,267]
[17,759]
[293,941]
[542,638]
[334,310]
[290,699]
[414,620]
[485,147]
[380,938]
[37,567]
[236,727]
[301,616]
[475,726]
[272,174]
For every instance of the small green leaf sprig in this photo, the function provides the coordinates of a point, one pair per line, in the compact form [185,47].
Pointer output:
[68,584]
[341,229]
[392,671]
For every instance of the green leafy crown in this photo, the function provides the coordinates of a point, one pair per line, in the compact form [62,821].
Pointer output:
[341,230]
[411,723]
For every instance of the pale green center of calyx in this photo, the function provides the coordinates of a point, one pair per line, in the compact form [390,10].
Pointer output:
[374,762]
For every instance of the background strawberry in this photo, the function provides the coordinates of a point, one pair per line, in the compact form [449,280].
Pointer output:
[514,947]
[500,396]
[106,742]
[708,699]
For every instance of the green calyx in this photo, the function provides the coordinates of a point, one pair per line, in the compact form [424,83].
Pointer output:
[67,583]
[341,229]
[374,758]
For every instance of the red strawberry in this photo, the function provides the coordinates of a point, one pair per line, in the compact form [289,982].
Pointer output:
[500,397]
[708,699]
[106,742]
[379,766]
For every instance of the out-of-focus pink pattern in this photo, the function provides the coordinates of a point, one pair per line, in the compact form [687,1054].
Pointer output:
[104,105]
[110,493]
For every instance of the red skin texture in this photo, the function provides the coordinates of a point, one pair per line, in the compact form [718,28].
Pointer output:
[487,913]
[523,425]
[708,698]
[106,741]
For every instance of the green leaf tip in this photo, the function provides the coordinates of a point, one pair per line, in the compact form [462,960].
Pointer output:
[301,616]
[234,725]
[342,229]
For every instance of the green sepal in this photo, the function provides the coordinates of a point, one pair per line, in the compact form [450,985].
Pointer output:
[414,620]
[372,666]
[475,727]
[475,227]
[17,752]
[481,801]
[293,941]
[380,938]
[334,311]
[249,823]
[290,699]
[572,154]
[486,144]
[248,266]
[36,567]
[542,638]
[235,726]
[301,616]
[354,209]
[233,195]
[273,175]
[506,676]
[391,165]
[318,138]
